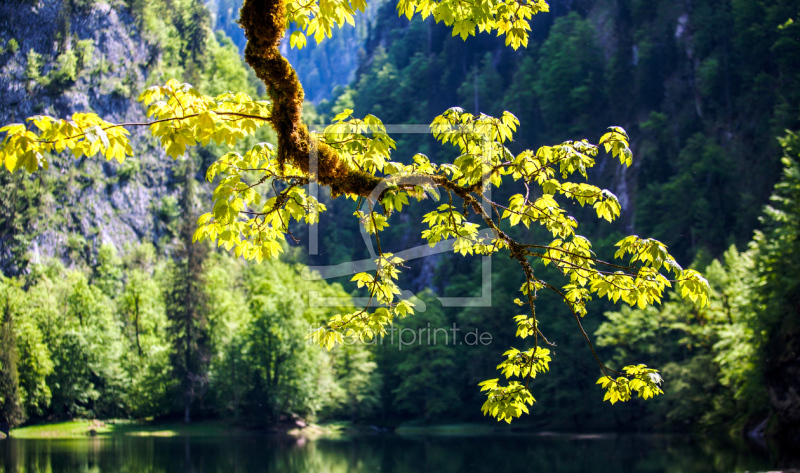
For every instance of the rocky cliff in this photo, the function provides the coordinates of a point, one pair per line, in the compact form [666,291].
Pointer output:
[62,57]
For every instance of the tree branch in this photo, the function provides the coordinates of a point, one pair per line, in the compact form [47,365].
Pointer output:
[264,26]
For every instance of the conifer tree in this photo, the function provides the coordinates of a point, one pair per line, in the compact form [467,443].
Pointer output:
[187,305]
[11,413]
[778,268]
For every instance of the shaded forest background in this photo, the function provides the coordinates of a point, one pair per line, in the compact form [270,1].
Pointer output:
[109,311]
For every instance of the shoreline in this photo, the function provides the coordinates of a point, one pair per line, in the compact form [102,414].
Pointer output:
[95,428]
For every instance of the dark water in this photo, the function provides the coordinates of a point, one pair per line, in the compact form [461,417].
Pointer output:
[380,453]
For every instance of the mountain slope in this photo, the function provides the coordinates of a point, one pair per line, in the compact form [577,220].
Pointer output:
[61,57]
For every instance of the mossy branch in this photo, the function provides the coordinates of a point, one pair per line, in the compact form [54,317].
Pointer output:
[264,26]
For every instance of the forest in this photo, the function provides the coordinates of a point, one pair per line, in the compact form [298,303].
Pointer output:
[110,308]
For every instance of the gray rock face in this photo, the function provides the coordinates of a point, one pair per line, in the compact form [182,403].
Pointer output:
[98,204]
[92,198]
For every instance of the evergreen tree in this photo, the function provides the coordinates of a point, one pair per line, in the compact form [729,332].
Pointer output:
[423,353]
[19,196]
[778,267]
[568,85]
[146,360]
[11,413]
[108,271]
[187,306]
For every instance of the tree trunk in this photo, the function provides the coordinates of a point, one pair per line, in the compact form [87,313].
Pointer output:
[136,322]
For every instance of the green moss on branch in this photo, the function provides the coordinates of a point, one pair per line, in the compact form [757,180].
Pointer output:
[264,26]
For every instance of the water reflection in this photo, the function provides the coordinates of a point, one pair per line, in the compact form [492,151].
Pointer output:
[381,453]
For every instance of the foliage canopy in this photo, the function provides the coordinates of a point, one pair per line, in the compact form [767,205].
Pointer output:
[261,191]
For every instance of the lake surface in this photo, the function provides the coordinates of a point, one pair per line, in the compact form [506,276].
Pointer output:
[380,453]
